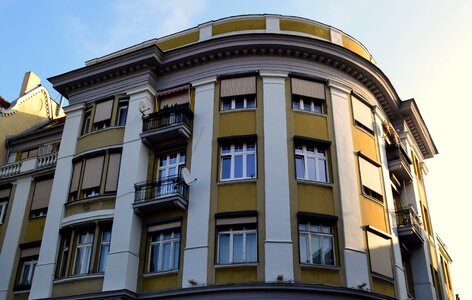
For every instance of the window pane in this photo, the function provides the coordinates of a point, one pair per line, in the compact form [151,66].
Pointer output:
[239,103]
[328,250]
[175,261]
[299,167]
[251,166]
[172,172]
[79,256]
[304,248]
[306,104]
[238,166]
[226,150]
[316,249]
[226,168]
[251,247]
[182,158]
[326,229]
[88,256]
[104,249]
[238,148]
[238,248]
[296,104]
[251,102]
[166,255]
[223,249]
[250,147]
[227,104]
[154,259]
[322,170]
[173,159]
[318,108]
[25,274]
[106,236]
[311,169]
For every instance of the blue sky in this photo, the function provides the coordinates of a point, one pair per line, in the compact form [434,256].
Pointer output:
[424,47]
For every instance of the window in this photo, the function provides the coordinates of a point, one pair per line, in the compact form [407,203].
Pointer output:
[237,239]
[379,245]
[308,95]
[238,161]
[4,196]
[170,165]
[96,175]
[86,124]
[311,162]
[238,93]
[316,242]
[27,272]
[164,247]
[370,177]
[122,112]
[84,250]
[41,195]
[362,115]
[28,260]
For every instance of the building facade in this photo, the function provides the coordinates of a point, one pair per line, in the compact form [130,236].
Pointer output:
[251,157]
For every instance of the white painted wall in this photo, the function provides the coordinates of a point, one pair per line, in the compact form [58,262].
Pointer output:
[12,234]
[196,249]
[278,243]
[355,258]
[44,272]
[123,259]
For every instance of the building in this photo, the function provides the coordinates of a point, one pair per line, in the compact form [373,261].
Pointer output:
[256,156]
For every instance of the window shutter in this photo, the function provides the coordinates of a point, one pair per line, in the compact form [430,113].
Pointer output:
[74,186]
[175,98]
[165,226]
[370,175]
[380,254]
[362,113]
[103,111]
[4,193]
[235,221]
[92,172]
[113,171]
[30,252]
[238,86]
[308,88]
[42,193]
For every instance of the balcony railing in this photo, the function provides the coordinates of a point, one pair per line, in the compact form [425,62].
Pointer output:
[172,122]
[28,165]
[398,162]
[164,194]
[409,228]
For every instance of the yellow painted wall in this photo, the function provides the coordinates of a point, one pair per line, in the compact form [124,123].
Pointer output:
[355,47]
[160,282]
[321,275]
[34,230]
[102,138]
[315,198]
[80,286]
[237,123]
[305,27]
[239,25]
[178,41]
[373,214]
[383,287]
[98,203]
[237,196]
[310,125]
[365,143]
[235,274]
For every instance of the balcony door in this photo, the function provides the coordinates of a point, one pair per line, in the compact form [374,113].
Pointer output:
[170,167]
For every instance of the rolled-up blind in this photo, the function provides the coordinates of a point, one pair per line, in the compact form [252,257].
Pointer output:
[103,111]
[4,193]
[370,175]
[308,88]
[235,221]
[380,254]
[238,86]
[113,171]
[165,226]
[175,98]
[92,172]
[42,193]
[362,113]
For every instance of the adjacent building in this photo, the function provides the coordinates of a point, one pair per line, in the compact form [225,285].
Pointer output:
[256,156]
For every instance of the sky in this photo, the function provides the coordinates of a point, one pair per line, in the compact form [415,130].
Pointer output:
[423,47]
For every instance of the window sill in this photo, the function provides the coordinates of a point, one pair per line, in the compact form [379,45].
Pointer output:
[18,291]
[252,264]
[373,199]
[312,182]
[89,199]
[383,277]
[236,181]
[99,130]
[370,133]
[310,112]
[237,110]
[79,277]
[324,267]
[157,274]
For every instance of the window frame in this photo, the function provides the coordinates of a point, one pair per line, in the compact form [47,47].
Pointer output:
[31,262]
[3,209]
[314,103]
[316,156]
[174,256]
[232,231]
[232,154]
[123,106]
[249,102]
[322,236]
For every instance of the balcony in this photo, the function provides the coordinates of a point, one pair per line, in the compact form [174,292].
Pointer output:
[170,123]
[154,196]
[399,162]
[28,165]
[409,228]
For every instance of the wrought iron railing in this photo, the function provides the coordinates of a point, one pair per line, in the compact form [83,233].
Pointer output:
[395,152]
[155,190]
[177,114]
[407,217]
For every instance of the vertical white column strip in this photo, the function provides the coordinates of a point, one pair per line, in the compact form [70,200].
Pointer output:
[12,234]
[278,242]
[400,281]
[123,259]
[355,258]
[44,272]
[196,250]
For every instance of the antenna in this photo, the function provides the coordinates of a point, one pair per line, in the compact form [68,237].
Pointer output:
[187,176]
[143,107]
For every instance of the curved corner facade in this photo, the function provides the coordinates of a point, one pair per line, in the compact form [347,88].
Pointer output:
[247,157]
